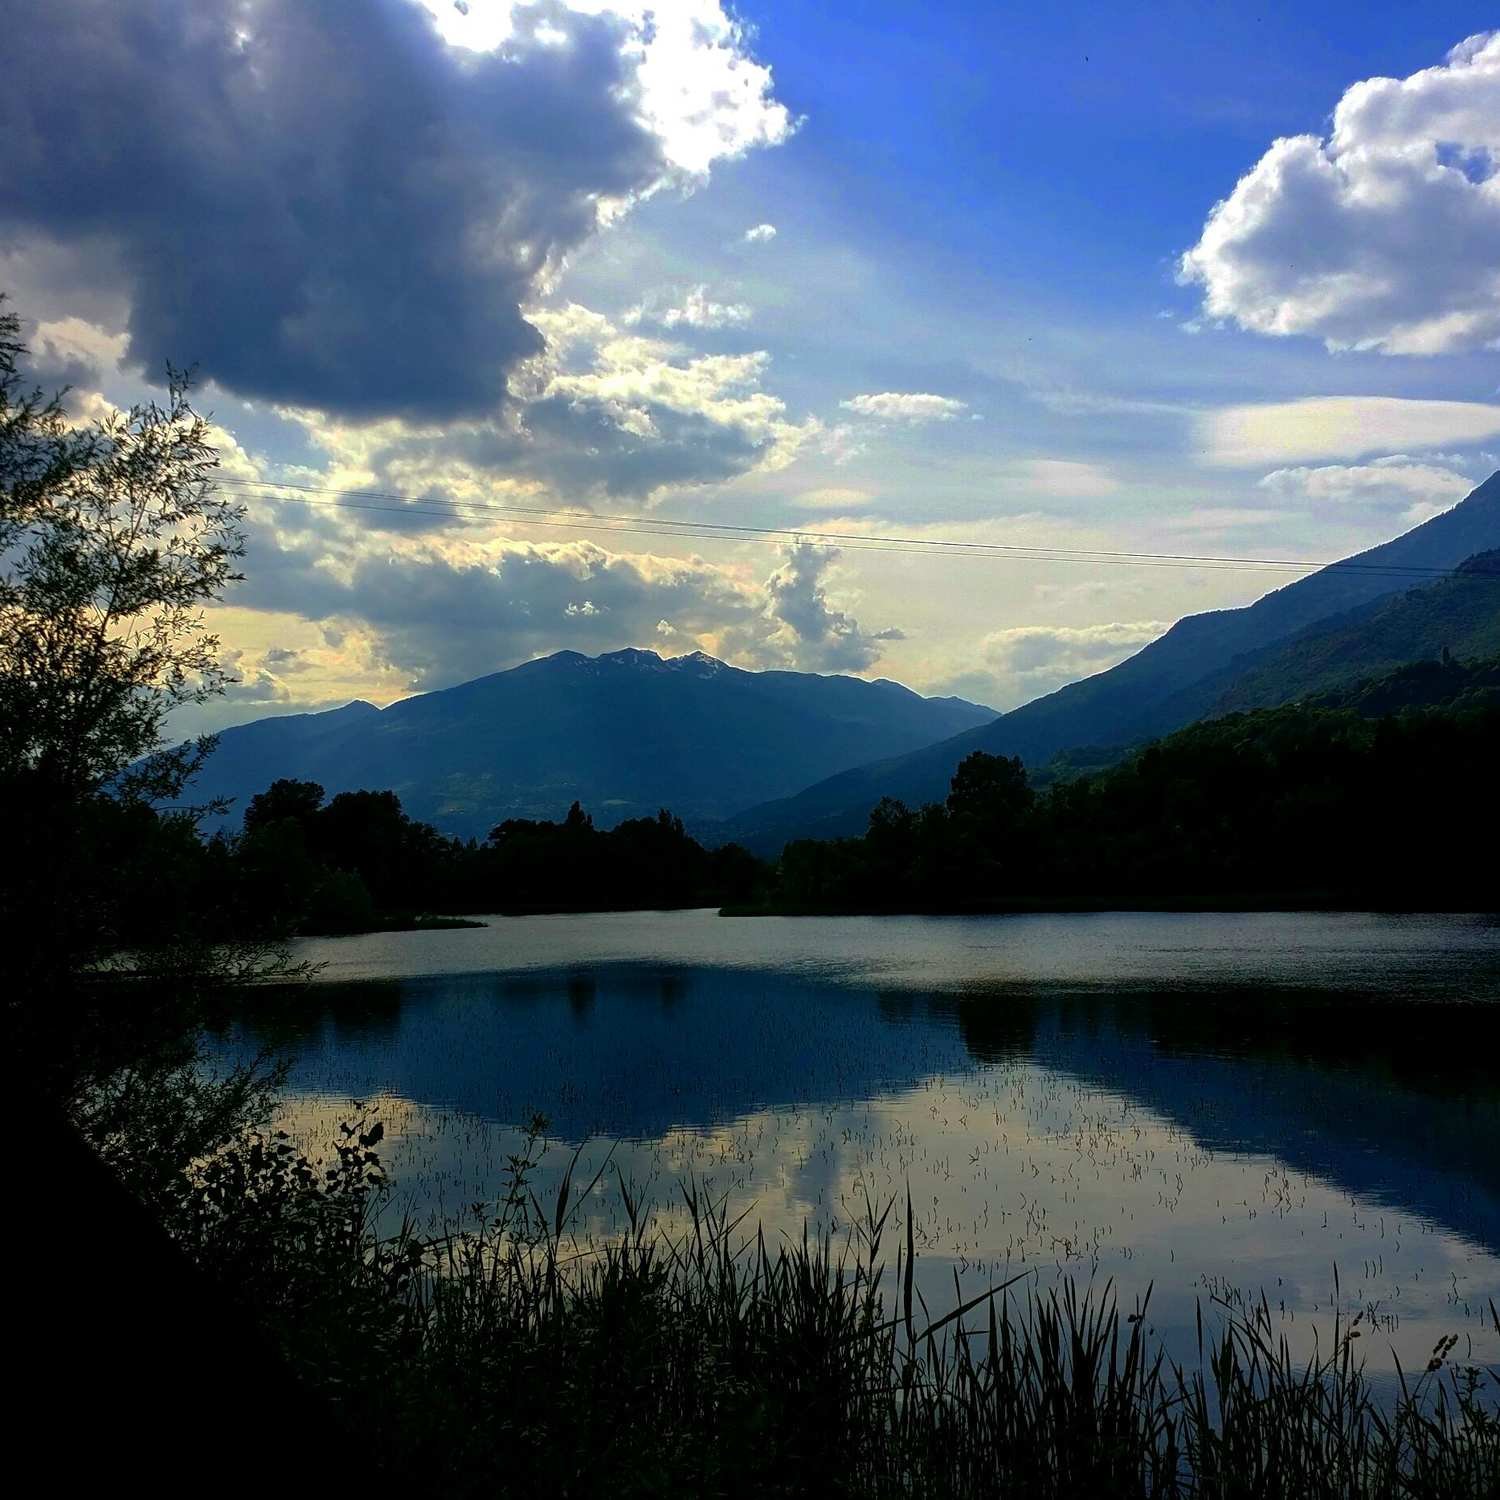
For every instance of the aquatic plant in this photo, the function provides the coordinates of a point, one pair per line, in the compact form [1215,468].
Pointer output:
[520,1354]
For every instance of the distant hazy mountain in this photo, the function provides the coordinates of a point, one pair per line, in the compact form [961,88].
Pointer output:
[1187,674]
[624,733]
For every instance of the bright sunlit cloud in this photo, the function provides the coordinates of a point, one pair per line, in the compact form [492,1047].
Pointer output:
[700,91]
[905,406]
[1386,234]
[1283,432]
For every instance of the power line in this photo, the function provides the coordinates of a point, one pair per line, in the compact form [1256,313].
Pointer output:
[391,502]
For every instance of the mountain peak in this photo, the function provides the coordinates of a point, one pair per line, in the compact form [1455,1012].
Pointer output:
[632,656]
[625,733]
[699,661]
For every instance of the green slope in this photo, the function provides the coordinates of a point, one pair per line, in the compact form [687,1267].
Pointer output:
[1460,614]
[1172,682]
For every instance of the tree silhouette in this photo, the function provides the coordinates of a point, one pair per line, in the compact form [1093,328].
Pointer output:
[111,541]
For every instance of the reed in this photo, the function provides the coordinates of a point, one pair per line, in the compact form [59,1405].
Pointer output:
[521,1356]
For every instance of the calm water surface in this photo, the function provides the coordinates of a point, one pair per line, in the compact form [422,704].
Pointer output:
[1209,1105]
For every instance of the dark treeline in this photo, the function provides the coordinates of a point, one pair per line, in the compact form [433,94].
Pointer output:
[1380,795]
[356,862]
[1317,803]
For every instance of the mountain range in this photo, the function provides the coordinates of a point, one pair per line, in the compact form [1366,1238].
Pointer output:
[625,733]
[1285,644]
[763,757]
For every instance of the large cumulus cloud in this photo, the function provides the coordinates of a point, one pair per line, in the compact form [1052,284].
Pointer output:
[330,205]
[1386,234]
[1029,660]
[447,612]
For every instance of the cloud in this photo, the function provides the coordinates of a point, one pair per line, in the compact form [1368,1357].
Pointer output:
[696,309]
[833,497]
[1030,660]
[604,413]
[427,611]
[905,406]
[443,611]
[1338,427]
[698,90]
[760,234]
[1068,478]
[332,207]
[1386,234]
[252,682]
[285,659]
[1420,490]
[809,632]
[72,352]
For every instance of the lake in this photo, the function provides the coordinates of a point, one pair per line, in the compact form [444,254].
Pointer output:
[1210,1106]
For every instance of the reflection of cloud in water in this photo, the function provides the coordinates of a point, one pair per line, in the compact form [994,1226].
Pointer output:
[1207,1142]
[1015,1168]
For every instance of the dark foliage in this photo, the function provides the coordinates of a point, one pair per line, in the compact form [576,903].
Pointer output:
[358,861]
[520,1356]
[1310,804]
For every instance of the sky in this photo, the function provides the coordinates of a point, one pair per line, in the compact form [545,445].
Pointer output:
[506,314]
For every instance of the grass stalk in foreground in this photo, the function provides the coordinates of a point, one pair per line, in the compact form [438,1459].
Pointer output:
[523,1357]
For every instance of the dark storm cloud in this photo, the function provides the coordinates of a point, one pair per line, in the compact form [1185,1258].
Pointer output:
[320,204]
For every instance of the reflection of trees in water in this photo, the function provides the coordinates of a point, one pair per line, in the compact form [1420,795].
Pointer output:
[1448,1050]
[1399,1104]
[999,1029]
[370,1011]
[283,1018]
[583,991]
[1440,1049]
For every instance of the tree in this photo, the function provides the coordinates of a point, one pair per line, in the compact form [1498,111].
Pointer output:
[990,791]
[297,801]
[112,539]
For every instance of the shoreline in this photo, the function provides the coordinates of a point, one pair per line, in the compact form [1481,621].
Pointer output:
[1093,906]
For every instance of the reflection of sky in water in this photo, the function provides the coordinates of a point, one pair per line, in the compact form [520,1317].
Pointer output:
[1160,1100]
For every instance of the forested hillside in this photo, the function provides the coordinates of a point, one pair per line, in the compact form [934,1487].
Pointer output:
[1174,681]
[624,733]
[1308,804]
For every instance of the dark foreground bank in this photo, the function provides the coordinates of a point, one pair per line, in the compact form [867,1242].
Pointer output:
[520,1357]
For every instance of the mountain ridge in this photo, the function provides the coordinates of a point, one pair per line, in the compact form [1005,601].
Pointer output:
[1148,694]
[625,732]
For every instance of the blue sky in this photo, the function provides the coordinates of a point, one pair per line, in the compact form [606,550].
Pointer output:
[860,269]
